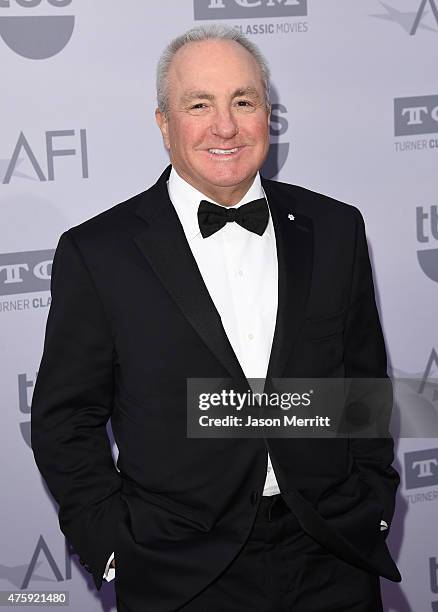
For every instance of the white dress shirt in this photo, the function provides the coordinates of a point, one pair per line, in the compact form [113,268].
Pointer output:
[240,271]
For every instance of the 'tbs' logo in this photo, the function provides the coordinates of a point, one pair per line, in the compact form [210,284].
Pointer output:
[35,36]
[427,232]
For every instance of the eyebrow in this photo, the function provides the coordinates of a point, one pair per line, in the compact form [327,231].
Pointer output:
[195,94]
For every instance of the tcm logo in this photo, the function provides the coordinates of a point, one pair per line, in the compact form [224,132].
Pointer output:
[25,272]
[421,468]
[238,9]
[427,233]
[23,150]
[416,115]
[35,36]
[411,21]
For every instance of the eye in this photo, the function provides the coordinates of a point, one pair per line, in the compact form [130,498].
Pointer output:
[198,106]
[245,105]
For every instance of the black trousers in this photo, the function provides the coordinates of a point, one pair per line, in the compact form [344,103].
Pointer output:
[282,569]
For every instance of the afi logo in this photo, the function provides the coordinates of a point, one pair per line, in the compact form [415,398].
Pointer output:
[432,363]
[421,468]
[25,272]
[237,9]
[420,13]
[411,21]
[23,150]
[416,115]
[42,550]
[35,36]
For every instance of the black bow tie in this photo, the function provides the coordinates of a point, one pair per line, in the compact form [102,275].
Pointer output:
[253,216]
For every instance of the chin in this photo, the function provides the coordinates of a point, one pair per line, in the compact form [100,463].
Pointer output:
[229,177]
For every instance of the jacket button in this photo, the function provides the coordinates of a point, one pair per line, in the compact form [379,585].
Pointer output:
[254,498]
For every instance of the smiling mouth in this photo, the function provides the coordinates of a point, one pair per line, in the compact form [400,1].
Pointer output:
[224,152]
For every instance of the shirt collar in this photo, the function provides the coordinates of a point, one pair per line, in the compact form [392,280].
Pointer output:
[185,198]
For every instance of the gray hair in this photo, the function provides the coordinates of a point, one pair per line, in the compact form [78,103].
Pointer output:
[200,33]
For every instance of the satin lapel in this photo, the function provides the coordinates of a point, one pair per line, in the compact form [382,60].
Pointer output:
[164,245]
[294,239]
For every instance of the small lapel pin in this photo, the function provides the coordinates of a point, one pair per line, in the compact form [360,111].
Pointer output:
[290,217]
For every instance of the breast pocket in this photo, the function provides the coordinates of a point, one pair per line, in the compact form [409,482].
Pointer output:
[317,329]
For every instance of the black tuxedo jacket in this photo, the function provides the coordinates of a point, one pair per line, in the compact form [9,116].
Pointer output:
[130,320]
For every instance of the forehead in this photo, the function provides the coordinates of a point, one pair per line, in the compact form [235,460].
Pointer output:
[214,64]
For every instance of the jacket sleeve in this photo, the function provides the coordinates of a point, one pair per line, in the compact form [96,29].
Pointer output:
[71,405]
[365,357]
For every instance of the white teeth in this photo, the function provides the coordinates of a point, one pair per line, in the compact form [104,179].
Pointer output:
[223,151]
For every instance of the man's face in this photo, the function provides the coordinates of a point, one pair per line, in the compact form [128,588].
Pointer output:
[217,127]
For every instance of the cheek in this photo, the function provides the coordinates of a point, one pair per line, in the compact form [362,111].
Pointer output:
[258,131]
[263,132]
[189,134]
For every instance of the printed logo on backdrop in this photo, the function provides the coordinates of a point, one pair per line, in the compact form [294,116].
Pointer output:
[278,150]
[416,119]
[24,153]
[25,385]
[23,273]
[31,34]
[40,568]
[425,17]
[255,9]
[433,571]
[427,239]
[421,468]
[428,378]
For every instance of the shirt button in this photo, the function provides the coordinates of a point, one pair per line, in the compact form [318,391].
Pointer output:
[251,336]
[240,272]
[269,469]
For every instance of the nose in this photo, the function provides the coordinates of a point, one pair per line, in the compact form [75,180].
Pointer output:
[224,124]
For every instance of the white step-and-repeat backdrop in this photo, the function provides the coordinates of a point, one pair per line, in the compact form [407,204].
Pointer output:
[355,116]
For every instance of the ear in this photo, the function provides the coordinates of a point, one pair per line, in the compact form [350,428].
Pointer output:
[162,123]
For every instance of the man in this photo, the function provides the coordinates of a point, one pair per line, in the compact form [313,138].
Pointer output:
[173,284]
